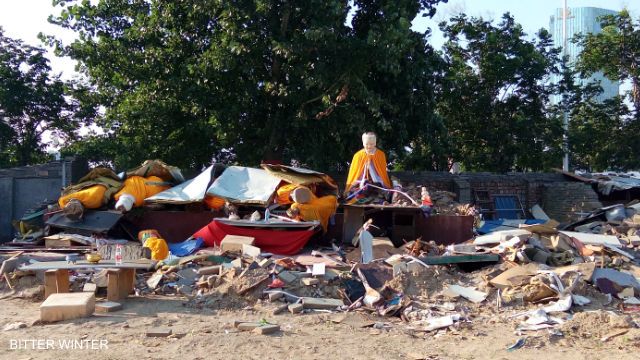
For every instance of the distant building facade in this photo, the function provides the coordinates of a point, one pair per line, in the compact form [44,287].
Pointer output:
[581,20]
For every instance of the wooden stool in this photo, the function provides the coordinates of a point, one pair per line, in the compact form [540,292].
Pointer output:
[56,281]
[120,283]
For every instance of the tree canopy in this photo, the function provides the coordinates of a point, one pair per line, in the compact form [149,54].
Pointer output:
[614,51]
[247,81]
[495,95]
[262,80]
[32,102]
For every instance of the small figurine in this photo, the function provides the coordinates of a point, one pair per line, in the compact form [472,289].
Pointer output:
[72,258]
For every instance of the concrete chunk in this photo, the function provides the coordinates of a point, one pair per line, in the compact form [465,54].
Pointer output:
[235,242]
[108,306]
[247,326]
[275,296]
[287,277]
[90,287]
[266,329]
[250,251]
[310,281]
[321,303]
[265,262]
[210,270]
[64,306]
[159,332]
[295,308]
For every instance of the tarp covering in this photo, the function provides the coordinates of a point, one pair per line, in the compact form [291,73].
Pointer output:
[186,247]
[243,185]
[158,168]
[188,192]
[281,242]
[299,176]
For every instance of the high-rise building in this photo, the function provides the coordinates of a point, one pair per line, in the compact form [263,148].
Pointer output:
[581,20]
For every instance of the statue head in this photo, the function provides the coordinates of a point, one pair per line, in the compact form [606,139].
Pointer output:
[369,142]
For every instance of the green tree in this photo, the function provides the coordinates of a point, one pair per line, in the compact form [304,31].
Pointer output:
[599,131]
[614,51]
[495,95]
[195,79]
[32,102]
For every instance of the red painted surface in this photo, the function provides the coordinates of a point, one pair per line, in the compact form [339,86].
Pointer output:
[281,242]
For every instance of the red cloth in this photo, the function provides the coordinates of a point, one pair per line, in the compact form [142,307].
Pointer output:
[281,242]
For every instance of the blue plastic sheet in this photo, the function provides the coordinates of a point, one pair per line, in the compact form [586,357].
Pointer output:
[186,247]
[490,226]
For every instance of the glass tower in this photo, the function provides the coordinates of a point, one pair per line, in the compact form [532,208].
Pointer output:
[581,20]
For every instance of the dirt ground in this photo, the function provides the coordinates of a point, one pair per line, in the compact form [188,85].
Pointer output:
[209,334]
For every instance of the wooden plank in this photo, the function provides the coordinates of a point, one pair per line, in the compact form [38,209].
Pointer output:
[127,282]
[353,221]
[50,286]
[54,243]
[459,259]
[113,284]
[62,280]
[143,264]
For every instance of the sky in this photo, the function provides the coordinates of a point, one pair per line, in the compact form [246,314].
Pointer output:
[24,19]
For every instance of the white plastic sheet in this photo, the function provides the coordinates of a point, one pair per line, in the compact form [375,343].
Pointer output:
[243,185]
[188,192]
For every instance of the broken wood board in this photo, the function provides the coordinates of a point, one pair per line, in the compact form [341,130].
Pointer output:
[550,227]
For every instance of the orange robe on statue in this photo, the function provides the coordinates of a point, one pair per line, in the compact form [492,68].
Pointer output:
[361,161]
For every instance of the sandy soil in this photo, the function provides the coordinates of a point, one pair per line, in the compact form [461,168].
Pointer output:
[209,334]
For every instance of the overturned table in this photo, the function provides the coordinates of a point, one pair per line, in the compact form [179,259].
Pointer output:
[120,278]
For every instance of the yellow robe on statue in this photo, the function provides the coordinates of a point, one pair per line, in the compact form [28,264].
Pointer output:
[362,160]
[284,194]
[319,208]
[91,197]
[141,188]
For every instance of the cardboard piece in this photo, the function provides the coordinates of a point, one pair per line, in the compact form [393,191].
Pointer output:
[550,227]
[515,276]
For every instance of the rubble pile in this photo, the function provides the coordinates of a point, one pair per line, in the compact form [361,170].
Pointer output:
[546,278]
